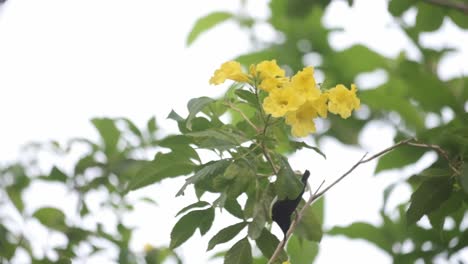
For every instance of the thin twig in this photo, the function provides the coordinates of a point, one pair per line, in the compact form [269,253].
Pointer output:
[442,152]
[450,4]
[318,194]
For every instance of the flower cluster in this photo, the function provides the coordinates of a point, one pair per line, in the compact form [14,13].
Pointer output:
[298,98]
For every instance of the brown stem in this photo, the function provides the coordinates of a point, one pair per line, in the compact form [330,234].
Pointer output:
[450,4]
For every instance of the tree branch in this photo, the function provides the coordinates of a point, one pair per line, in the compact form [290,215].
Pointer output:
[317,194]
[462,7]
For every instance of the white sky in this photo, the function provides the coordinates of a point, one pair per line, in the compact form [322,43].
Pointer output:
[63,62]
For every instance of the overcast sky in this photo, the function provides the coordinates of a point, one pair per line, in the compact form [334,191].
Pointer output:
[63,62]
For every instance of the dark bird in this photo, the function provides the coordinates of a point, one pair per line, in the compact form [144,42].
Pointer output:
[283,209]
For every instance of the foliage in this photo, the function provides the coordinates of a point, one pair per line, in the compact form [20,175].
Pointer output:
[250,134]
[105,165]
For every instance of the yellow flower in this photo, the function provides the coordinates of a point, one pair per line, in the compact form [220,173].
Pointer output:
[231,70]
[304,83]
[271,75]
[286,262]
[301,120]
[269,84]
[342,101]
[281,101]
[269,69]
[320,105]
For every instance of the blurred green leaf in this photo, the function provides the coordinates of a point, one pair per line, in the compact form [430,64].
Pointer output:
[347,59]
[240,253]
[452,204]
[365,231]
[57,175]
[310,226]
[428,197]
[302,251]
[458,18]
[132,127]
[464,178]
[398,158]
[398,7]
[51,217]
[14,194]
[226,234]
[267,244]
[151,125]
[429,17]
[108,132]
[205,23]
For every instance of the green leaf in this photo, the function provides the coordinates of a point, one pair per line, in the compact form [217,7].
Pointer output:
[428,197]
[261,212]
[299,145]
[226,234]
[216,138]
[451,205]
[429,18]
[14,194]
[310,226]
[398,158]
[151,125]
[51,217]
[234,208]
[188,223]
[267,244]
[240,253]
[207,171]
[163,166]
[418,80]
[207,220]
[194,205]
[205,23]
[398,7]
[57,175]
[194,106]
[132,127]
[464,178]
[247,96]
[369,60]
[239,174]
[458,18]
[395,94]
[302,251]
[108,132]
[365,231]
[287,186]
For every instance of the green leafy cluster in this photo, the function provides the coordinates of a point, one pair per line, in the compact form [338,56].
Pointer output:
[105,165]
